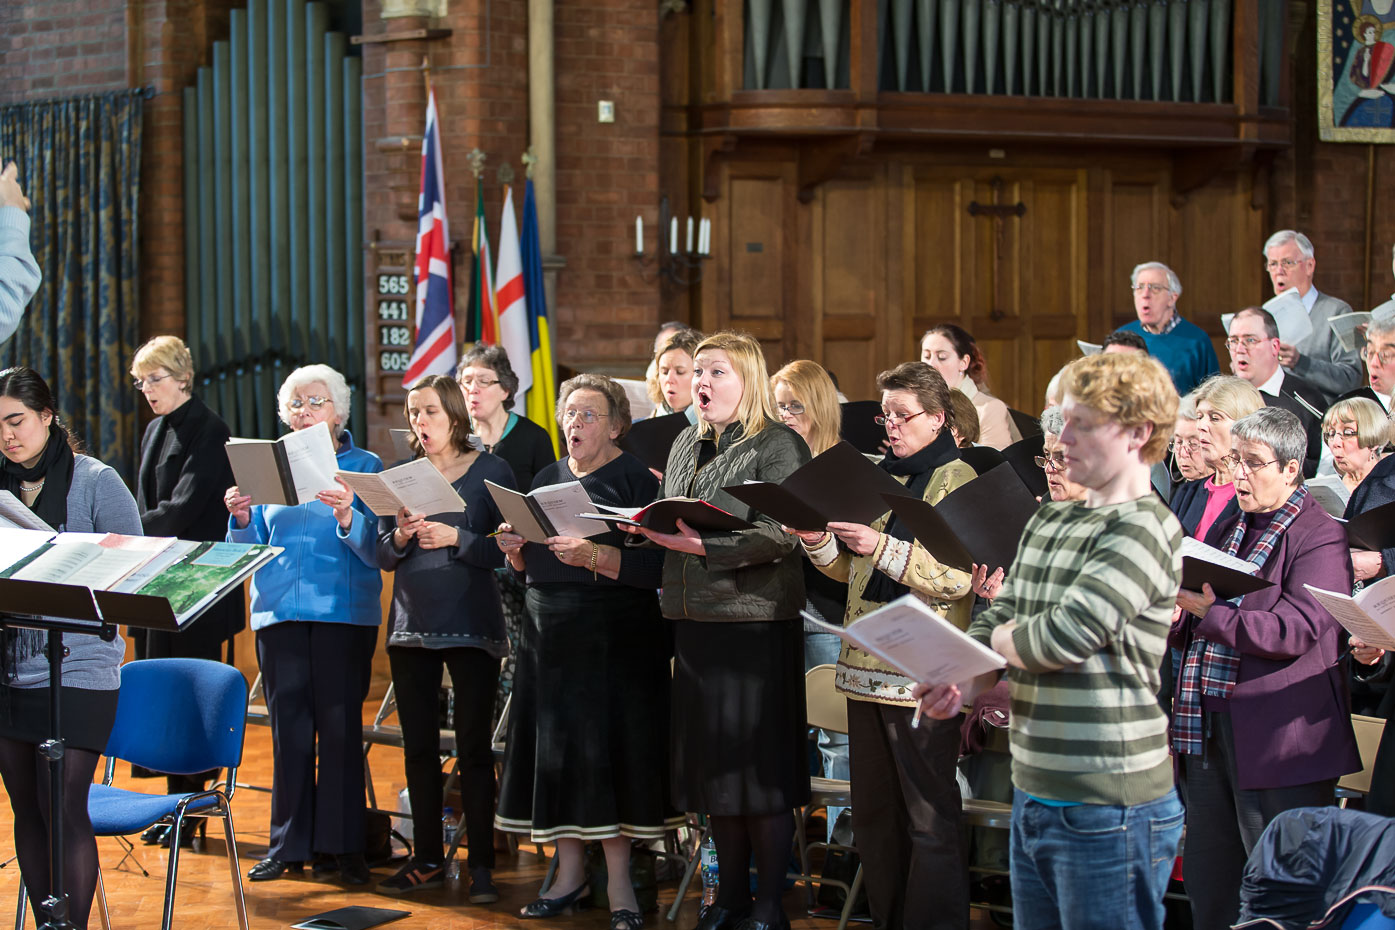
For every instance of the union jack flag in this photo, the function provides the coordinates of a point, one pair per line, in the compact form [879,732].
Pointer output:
[433,352]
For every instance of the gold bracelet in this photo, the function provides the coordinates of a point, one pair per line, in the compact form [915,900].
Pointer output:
[595,551]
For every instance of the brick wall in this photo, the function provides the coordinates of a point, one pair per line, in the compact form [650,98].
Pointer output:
[62,48]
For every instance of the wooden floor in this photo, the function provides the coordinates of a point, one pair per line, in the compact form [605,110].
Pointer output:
[204,897]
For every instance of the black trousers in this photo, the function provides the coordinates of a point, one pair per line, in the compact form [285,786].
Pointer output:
[1224,821]
[316,678]
[906,817]
[416,680]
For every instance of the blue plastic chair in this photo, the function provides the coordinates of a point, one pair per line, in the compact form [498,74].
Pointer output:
[181,716]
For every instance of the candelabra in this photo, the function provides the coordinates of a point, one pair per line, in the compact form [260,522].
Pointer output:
[682,267]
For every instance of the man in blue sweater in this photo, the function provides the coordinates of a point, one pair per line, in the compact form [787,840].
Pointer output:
[19,273]
[1183,347]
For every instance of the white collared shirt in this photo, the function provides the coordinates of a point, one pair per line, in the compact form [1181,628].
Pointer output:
[1309,299]
[1272,386]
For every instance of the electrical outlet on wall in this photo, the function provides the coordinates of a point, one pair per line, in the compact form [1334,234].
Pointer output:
[605,111]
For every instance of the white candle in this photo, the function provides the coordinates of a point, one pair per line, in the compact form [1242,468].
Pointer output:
[704,237]
[690,235]
[673,236]
[639,235]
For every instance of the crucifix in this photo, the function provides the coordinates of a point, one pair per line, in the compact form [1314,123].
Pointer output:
[1000,212]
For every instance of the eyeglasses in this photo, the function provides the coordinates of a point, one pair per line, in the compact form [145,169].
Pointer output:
[1188,446]
[1384,356]
[794,408]
[587,416]
[1287,264]
[314,403]
[481,383]
[1054,462]
[1249,342]
[141,384]
[1238,464]
[1331,434]
[1149,288]
[897,419]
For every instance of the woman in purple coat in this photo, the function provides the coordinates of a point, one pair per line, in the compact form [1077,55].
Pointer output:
[1261,717]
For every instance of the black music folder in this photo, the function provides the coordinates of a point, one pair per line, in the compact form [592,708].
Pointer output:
[1229,576]
[354,917]
[1374,529]
[1020,455]
[663,515]
[840,484]
[651,439]
[860,426]
[1027,425]
[981,521]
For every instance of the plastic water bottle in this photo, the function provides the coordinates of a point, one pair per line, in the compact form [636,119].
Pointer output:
[448,827]
[708,866]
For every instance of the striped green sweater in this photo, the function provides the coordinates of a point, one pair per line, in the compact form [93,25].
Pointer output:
[1092,591]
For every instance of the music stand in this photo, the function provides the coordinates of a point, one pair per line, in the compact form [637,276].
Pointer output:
[63,608]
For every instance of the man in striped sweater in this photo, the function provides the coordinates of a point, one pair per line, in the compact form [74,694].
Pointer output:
[1082,621]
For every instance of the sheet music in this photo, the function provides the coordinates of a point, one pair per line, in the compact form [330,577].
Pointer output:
[1330,492]
[313,464]
[562,503]
[1089,348]
[138,578]
[1197,549]
[16,544]
[79,559]
[1288,311]
[919,642]
[638,394]
[1359,616]
[416,485]
[15,514]
[1344,327]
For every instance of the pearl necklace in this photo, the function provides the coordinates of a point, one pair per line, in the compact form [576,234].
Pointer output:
[29,490]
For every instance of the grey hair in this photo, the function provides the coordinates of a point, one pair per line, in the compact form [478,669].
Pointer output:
[1277,428]
[1284,237]
[1053,421]
[1174,283]
[616,400]
[309,374]
[493,357]
[1186,407]
[1380,326]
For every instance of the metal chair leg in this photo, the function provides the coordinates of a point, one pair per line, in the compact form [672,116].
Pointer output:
[172,873]
[23,900]
[130,853]
[688,876]
[852,897]
[233,864]
[102,900]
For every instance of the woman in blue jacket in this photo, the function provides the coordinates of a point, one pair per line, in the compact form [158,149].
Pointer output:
[315,610]
[446,614]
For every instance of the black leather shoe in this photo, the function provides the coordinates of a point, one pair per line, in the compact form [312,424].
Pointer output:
[750,923]
[155,834]
[719,918]
[325,866]
[270,869]
[353,870]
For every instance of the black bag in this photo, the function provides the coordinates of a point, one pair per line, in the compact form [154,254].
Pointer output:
[841,865]
[377,838]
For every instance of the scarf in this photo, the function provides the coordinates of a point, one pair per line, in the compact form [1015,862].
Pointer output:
[55,467]
[1212,669]
[918,468]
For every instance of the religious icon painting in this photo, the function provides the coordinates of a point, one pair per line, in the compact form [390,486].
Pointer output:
[1356,70]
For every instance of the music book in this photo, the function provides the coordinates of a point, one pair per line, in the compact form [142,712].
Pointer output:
[1330,492]
[1287,308]
[354,917]
[289,471]
[1369,616]
[1374,529]
[401,444]
[840,484]
[1227,575]
[860,428]
[1345,328]
[663,515]
[909,636]
[14,515]
[1089,348]
[651,439]
[546,511]
[637,391]
[1020,456]
[981,521]
[416,485]
[1027,425]
[92,560]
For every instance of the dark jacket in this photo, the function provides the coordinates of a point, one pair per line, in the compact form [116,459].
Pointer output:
[1312,864]
[1188,502]
[1378,488]
[750,574]
[447,597]
[1290,710]
[1294,392]
[184,472]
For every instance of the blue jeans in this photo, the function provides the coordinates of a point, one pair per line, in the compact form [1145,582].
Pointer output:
[1092,865]
[822,649]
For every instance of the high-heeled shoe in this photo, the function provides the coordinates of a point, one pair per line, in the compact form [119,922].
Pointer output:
[552,907]
[625,919]
[154,835]
[721,918]
[192,833]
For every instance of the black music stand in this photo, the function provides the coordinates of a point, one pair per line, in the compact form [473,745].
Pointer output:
[57,609]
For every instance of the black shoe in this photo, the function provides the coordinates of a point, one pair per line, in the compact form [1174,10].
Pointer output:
[325,866]
[482,890]
[271,868]
[191,834]
[719,918]
[353,870]
[750,923]
[414,876]
[552,907]
[155,834]
[626,920]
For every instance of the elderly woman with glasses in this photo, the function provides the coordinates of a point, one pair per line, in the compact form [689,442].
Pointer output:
[1261,716]
[588,727]
[1219,402]
[315,610]
[1356,431]
[1186,447]
[905,797]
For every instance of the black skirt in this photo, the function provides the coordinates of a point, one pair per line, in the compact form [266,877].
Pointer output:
[87,716]
[739,721]
[587,750]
